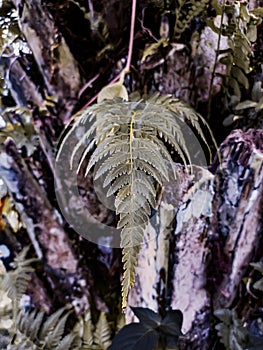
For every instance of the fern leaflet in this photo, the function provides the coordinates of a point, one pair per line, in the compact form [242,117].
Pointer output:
[132,157]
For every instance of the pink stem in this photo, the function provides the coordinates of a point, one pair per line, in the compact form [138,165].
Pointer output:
[128,64]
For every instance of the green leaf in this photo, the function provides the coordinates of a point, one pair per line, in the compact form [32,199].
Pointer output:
[240,76]
[258,266]
[231,332]
[54,337]
[133,153]
[259,285]
[211,24]
[152,48]
[172,323]
[234,85]
[135,336]
[51,323]
[230,120]
[147,316]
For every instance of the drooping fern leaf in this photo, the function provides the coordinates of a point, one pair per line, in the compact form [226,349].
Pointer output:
[93,337]
[85,328]
[34,333]
[30,330]
[15,282]
[102,334]
[185,11]
[241,32]
[133,155]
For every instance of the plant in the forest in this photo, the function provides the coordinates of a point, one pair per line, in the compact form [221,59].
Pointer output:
[230,330]
[233,334]
[17,124]
[15,282]
[97,337]
[36,333]
[27,329]
[133,142]
[34,329]
[185,11]
[248,109]
[152,332]
[241,32]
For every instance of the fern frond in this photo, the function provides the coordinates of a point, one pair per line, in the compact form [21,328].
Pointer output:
[15,282]
[108,147]
[129,260]
[185,11]
[136,220]
[237,57]
[51,323]
[102,334]
[87,336]
[26,321]
[92,337]
[115,173]
[47,334]
[67,343]
[131,155]
[148,169]
[111,162]
[33,323]
[54,337]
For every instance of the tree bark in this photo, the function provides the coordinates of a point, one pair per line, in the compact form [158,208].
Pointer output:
[36,212]
[209,224]
[217,234]
[52,55]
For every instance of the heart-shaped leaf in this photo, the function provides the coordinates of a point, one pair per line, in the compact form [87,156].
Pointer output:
[147,316]
[135,336]
[172,323]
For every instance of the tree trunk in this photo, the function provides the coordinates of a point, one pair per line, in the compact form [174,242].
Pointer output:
[208,227]
[217,234]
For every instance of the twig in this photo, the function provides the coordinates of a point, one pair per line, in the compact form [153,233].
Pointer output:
[88,84]
[145,29]
[95,97]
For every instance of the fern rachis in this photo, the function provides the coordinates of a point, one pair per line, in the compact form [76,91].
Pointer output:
[131,155]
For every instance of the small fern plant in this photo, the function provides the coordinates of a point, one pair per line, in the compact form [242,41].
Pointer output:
[241,33]
[35,330]
[15,282]
[93,337]
[36,333]
[134,141]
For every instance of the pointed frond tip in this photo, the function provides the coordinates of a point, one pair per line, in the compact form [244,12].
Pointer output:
[130,145]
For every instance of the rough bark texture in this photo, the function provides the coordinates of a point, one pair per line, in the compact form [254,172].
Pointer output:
[209,225]
[55,62]
[218,231]
[36,212]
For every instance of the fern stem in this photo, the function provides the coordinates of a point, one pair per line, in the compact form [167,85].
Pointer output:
[216,58]
[128,64]
[131,154]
